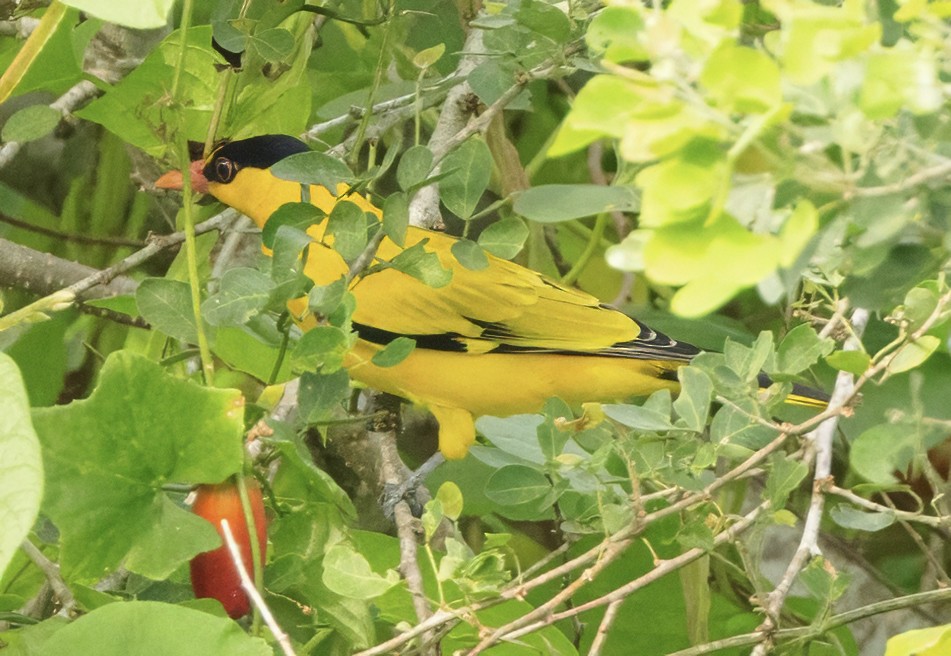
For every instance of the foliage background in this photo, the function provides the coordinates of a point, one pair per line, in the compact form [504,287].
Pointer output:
[716,168]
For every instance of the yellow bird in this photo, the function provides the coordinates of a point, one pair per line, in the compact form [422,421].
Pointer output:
[497,341]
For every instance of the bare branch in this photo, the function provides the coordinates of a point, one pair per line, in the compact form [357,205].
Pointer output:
[247,584]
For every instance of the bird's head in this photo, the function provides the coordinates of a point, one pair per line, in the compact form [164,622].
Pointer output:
[237,173]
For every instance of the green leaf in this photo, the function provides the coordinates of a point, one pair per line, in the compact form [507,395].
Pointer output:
[273,44]
[913,354]
[167,306]
[559,202]
[324,299]
[742,79]
[423,265]
[138,15]
[849,516]
[639,417]
[800,349]
[396,217]
[108,456]
[450,496]
[155,556]
[735,427]
[131,109]
[517,485]
[322,394]
[394,352]
[21,486]
[348,224]
[314,168]
[31,123]
[414,167]
[468,168]
[933,641]
[152,627]
[289,243]
[822,581]
[321,347]
[696,393]
[882,450]
[618,34]
[429,56]
[348,573]
[470,255]
[504,238]
[784,476]
[854,362]
[545,19]
[295,215]
[601,109]
[551,438]
[797,231]
[243,293]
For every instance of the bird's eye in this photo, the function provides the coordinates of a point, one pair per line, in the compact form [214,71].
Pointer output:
[224,169]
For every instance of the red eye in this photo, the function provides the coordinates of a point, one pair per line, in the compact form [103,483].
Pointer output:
[224,169]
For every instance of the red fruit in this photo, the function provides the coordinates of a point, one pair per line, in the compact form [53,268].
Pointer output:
[213,573]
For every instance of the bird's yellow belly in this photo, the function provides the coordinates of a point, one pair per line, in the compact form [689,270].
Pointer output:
[505,383]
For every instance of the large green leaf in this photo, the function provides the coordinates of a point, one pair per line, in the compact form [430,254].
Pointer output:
[147,628]
[108,456]
[21,474]
[138,15]
[554,203]
[134,108]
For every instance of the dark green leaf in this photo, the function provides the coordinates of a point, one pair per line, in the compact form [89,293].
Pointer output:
[516,485]
[784,476]
[423,265]
[108,456]
[469,168]
[152,627]
[504,238]
[295,215]
[823,581]
[322,347]
[30,123]
[639,417]
[243,293]
[348,224]
[324,299]
[470,255]
[693,402]
[882,450]
[314,168]
[849,516]
[322,394]
[414,167]
[396,217]
[394,352]
[800,349]
[273,44]
[558,202]
[167,306]
[348,573]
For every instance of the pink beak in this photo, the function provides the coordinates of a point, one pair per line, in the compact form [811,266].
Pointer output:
[174,180]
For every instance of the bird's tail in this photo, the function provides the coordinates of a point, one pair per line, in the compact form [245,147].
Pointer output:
[801,394]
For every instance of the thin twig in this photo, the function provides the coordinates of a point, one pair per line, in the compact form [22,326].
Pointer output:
[77,237]
[606,623]
[904,515]
[247,584]
[842,619]
[53,577]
